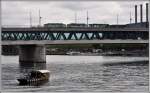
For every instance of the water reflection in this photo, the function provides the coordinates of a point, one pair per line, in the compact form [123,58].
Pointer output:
[28,67]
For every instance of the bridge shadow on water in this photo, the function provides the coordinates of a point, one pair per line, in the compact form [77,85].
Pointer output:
[27,67]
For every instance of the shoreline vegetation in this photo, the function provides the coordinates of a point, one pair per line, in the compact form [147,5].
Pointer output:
[89,50]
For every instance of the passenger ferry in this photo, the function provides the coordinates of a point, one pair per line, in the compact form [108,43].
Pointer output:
[37,76]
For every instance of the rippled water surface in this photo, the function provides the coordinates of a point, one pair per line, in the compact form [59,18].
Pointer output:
[81,73]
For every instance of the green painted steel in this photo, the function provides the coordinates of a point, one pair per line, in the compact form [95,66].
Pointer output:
[50,36]
[72,34]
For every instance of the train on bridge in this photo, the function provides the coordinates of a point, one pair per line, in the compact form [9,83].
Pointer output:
[95,25]
[76,25]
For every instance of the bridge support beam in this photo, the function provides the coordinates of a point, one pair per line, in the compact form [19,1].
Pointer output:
[32,53]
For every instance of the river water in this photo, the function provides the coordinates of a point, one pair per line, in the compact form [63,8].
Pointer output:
[81,74]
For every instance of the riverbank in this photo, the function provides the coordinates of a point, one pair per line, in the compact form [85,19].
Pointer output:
[88,50]
[135,53]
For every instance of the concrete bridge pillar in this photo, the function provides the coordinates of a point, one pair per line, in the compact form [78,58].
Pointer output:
[32,53]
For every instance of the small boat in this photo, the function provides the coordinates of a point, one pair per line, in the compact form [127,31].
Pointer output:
[73,53]
[35,77]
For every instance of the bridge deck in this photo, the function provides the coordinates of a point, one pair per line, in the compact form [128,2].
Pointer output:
[49,42]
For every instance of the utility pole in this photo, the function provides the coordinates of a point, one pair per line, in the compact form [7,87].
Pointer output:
[39,18]
[30,19]
[130,14]
[117,19]
[75,17]
[130,18]
[87,19]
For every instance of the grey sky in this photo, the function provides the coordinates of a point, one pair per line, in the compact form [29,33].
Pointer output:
[17,12]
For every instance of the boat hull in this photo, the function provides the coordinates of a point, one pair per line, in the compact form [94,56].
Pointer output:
[32,81]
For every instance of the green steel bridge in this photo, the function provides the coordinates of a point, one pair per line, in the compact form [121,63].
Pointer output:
[13,34]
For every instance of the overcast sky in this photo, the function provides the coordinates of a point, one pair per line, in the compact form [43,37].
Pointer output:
[18,12]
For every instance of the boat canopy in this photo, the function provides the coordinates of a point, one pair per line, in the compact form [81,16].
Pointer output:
[42,71]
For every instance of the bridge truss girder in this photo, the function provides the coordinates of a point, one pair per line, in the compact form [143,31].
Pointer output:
[72,35]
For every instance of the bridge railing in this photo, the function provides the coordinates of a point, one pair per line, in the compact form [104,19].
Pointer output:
[71,29]
[19,26]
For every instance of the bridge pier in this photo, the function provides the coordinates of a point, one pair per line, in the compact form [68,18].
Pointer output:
[32,53]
